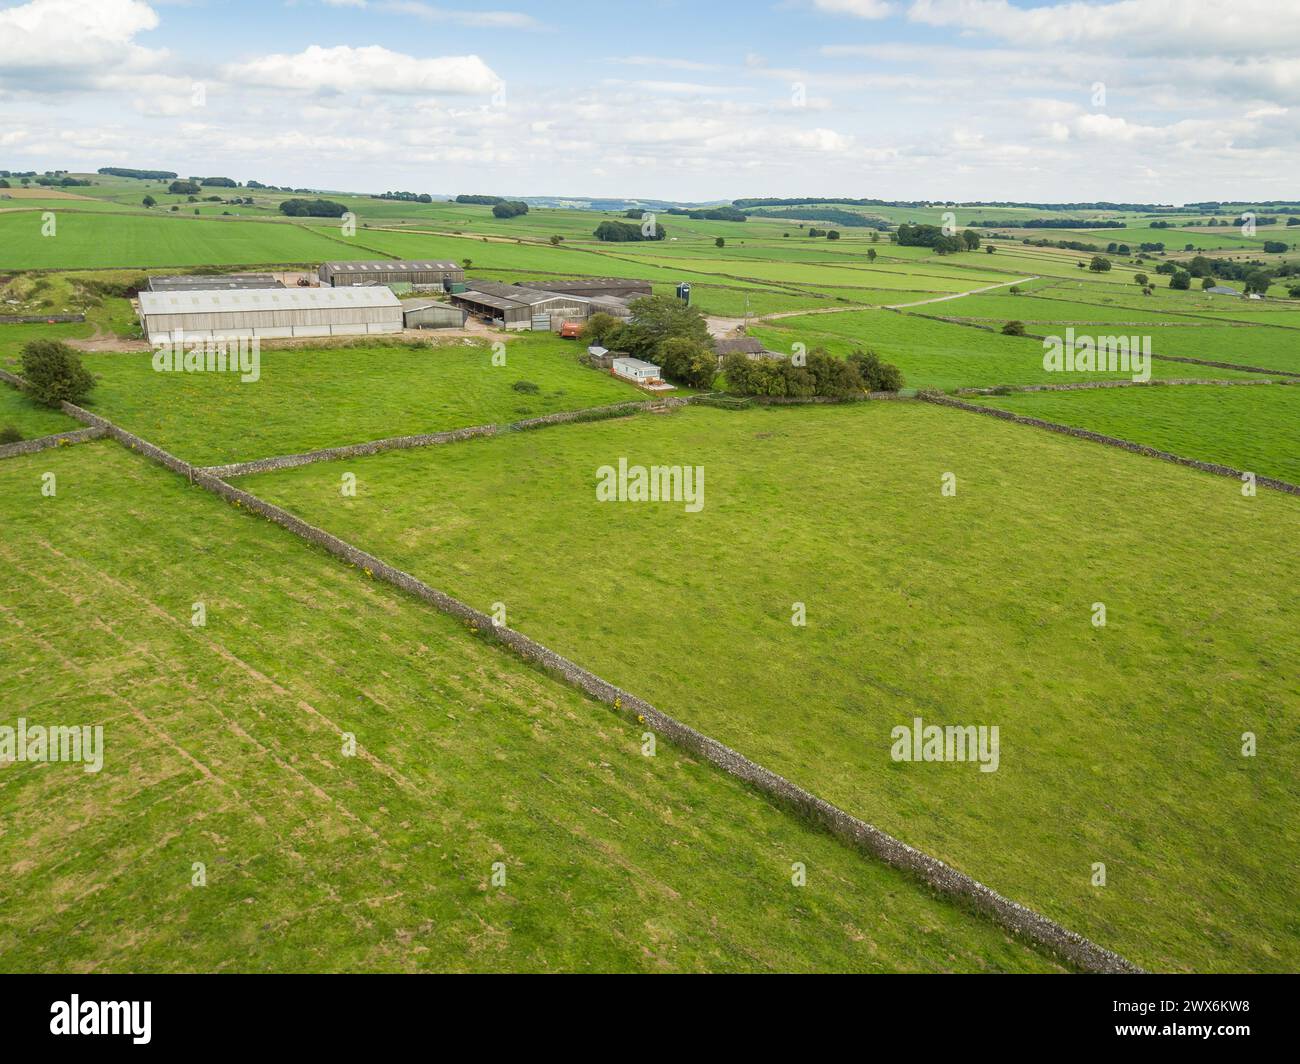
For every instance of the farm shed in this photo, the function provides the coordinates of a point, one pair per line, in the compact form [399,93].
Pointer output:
[745,345]
[621,287]
[636,370]
[221,282]
[518,307]
[433,315]
[617,306]
[267,314]
[390,271]
[507,312]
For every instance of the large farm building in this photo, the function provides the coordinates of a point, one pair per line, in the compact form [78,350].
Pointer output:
[517,307]
[269,313]
[390,271]
[220,282]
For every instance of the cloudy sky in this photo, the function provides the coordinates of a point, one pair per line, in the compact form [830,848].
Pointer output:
[1152,100]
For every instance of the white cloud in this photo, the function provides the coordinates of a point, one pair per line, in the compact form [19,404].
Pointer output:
[56,44]
[1141,27]
[513,20]
[869,9]
[370,69]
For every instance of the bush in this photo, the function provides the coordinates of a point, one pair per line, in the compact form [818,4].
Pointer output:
[1013,328]
[54,373]
[876,376]
[527,387]
[9,434]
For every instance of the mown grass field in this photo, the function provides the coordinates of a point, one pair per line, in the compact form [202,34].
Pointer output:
[1120,745]
[1254,428]
[223,745]
[309,398]
[102,239]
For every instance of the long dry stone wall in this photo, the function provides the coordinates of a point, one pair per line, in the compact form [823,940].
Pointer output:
[396,443]
[1035,928]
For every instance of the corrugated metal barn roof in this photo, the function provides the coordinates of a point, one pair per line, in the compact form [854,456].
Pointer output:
[389,265]
[266,299]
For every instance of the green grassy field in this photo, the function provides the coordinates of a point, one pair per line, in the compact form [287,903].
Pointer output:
[223,745]
[1255,428]
[32,420]
[100,239]
[309,398]
[1120,744]
[939,354]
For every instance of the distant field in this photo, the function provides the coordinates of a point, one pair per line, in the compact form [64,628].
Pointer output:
[1119,744]
[937,354]
[223,746]
[101,239]
[311,398]
[1254,428]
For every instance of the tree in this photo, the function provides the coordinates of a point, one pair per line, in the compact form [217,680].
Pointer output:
[625,232]
[183,188]
[832,234]
[1181,281]
[317,208]
[1141,278]
[656,319]
[689,361]
[509,209]
[601,328]
[149,201]
[1207,282]
[1099,264]
[1013,328]
[970,238]
[719,243]
[555,240]
[1257,281]
[54,373]
[871,254]
[989,249]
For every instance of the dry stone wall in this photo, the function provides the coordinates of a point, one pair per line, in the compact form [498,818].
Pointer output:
[1023,922]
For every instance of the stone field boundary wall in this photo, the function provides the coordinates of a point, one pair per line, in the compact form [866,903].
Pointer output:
[395,443]
[44,443]
[1083,386]
[1112,441]
[1018,920]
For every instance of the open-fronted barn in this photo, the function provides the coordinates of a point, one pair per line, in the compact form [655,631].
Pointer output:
[273,313]
[390,271]
[433,315]
[517,307]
